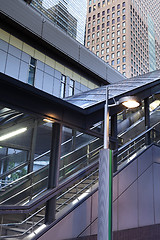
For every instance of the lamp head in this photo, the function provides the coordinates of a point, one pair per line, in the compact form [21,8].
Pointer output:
[129,101]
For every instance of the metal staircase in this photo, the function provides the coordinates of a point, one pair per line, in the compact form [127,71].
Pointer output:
[23,201]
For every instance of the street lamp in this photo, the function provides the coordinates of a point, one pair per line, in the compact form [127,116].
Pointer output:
[105,173]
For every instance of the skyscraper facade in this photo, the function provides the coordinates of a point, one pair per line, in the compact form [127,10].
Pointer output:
[125,33]
[69,15]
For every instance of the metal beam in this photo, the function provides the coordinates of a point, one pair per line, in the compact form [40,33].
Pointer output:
[53,176]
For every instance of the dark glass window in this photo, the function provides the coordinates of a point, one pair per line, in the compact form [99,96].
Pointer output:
[71,87]
[118,6]
[63,86]
[32,70]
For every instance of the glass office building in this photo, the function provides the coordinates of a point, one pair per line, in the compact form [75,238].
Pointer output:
[125,34]
[69,15]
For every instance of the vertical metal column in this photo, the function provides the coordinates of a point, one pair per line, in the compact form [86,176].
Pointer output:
[53,175]
[105,183]
[147,120]
[114,135]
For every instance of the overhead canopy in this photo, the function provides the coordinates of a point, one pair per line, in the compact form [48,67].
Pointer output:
[130,86]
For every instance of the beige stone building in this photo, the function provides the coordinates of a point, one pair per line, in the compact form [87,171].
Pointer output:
[125,34]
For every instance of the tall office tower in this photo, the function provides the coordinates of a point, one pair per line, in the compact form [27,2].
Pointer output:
[69,15]
[125,33]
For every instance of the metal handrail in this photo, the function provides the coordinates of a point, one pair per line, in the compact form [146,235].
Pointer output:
[128,146]
[137,140]
[139,136]
[77,193]
[27,188]
[24,221]
[76,185]
[35,159]
[70,189]
[13,170]
[78,159]
[31,173]
[64,203]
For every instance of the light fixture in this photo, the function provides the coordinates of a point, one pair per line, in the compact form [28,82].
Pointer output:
[129,101]
[47,120]
[12,134]
[154,105]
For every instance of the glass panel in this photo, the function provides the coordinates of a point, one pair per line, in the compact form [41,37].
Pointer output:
[43,146]
[25,145]
[66,145]
[11,158]
[78,150]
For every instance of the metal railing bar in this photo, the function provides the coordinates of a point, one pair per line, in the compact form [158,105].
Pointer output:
[78,159]
[76,185]
[13,170]
[130,146]
[27,188]
[24,221]
[27,175]
[137,137]
[77,193]
[22,234]
[128,156]
[42,155]
[50,193]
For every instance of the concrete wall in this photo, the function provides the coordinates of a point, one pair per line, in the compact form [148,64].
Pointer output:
[136,201]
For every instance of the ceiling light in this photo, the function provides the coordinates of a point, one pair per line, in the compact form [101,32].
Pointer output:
[48,120]
[12,134]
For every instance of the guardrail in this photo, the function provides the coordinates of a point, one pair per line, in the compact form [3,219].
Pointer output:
[69,190]
[136,144]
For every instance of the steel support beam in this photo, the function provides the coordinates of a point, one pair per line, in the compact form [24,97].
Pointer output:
[53,176]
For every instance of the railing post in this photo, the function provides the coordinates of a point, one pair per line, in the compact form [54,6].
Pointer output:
[53,175]
[147,120]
